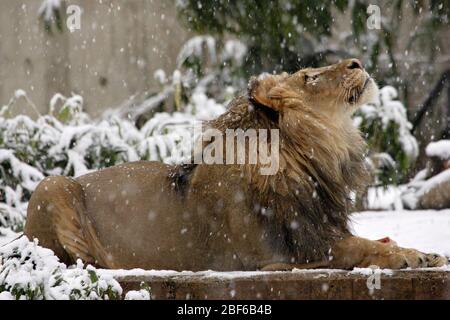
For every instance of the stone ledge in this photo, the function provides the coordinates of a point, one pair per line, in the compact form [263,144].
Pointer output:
[298,285]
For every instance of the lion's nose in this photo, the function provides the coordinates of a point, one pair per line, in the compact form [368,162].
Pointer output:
[354,64]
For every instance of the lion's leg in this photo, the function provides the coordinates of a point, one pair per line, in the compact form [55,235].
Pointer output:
[54,218]
[359,252]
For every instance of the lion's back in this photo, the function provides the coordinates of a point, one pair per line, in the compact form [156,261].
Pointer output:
[134,203]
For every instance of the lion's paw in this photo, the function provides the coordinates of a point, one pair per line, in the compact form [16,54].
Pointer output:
[404,258]
[436,260]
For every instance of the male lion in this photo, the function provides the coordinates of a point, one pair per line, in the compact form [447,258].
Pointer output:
[230,217]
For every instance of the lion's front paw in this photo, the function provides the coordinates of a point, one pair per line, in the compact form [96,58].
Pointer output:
[404,258]
[436,260]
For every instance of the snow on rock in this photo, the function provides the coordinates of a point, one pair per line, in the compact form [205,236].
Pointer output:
[427,231]
[417,188]
[439,149]
[122,273]
[434,181]
[138,295]
[370,271]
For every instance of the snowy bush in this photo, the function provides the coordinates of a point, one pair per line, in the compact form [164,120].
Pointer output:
[30,272]
[387,131]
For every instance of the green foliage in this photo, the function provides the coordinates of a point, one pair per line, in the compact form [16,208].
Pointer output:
[280,34]
[286,35]
[389,171]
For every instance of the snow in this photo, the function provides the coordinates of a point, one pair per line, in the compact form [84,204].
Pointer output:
[5,295]
[427,230]
[7,235]
[418,186]
[370,271]
[19,93]
[28,175]
[47,7]
[427,185]
[160,76]
[74,103]
[384,198]
[439,149]
[234,50]
[138,295]
[195,46]
[29,271]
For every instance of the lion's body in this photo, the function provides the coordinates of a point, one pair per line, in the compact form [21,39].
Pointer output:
[223,217]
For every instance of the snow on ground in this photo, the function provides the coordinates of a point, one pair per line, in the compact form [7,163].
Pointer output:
[121,274]
[427,231]
[7,235]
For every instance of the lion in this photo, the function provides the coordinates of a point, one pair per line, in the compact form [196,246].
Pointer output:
[229,216]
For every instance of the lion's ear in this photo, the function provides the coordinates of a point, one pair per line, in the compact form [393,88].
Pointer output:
[266,91]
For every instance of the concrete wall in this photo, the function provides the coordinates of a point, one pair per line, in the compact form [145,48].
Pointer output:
[297,285]
[114,55]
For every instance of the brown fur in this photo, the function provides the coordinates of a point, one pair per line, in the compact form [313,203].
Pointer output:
[230,217]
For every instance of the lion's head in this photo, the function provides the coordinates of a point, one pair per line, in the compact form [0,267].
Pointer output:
[334,90]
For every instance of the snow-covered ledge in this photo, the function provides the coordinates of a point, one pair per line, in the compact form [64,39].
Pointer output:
[431,283]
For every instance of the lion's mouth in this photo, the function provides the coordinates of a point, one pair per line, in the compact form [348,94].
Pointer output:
[358,91]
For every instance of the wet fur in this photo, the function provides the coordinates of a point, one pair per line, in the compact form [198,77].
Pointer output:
[316,158]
